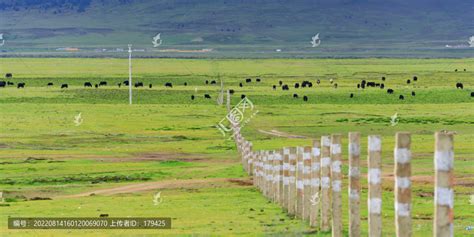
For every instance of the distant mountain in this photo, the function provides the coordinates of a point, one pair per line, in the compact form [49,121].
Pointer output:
[240,28]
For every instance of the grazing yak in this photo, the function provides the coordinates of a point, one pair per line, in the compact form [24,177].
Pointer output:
[248,80]
[213,82]
[297,85]
[408,81]
[390,91]
[240,84]
[207,82]
[415,78]
[401,97]
[318,81]
[274,87]
[102,83]
[285,88]
[242,96]
[352,95]
[459,85]
[3,83]
[382,86]
[96,86]
[383,78]
[413,93]
[335,85]
[150,86]
[207,96]
[88,84]
[8,75]
[185,84]
[119,85]
[192,97]
[139,84]
[169,84]
[50,84]
[21,85]
[125,83]
[280,83]
[358,86]
[295,95]
[258,79]
[472,94]
[305,98]
[63,86]
[231,91]
[9,83]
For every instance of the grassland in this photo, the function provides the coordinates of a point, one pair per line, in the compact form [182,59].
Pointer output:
[167,137]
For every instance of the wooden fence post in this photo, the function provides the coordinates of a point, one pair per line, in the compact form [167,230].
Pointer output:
[292,182]
[299,182]
[375,186]
[286,177]
[256,167]
[315,183]
[261,171]
[354,184]
[244,155]
[269,184]
[307,182]
[325,184]
[250,160]
[277,176]
[336,176]
[444,181]
[402,156]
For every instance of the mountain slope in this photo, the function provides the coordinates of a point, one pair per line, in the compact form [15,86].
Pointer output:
[347,27]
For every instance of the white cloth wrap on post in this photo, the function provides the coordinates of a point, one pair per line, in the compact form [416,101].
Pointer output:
[276,178]
[325,182]
[335,149]
[374,176]
[300,166]
[375,205]
[286,166]
[315,182]
[444,160]
[402,155]
[336,185]
[375,144]
[354,149]
[316,151]
[326,141]
[315,166]
[444,196]
[402,209]
[325,161]
[299,184]
[336,166]
[354,194]
[403,182]
[354,172]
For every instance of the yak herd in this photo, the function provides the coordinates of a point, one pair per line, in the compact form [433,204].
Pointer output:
[285,87]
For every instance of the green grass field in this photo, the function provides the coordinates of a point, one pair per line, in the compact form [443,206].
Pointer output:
[168,137]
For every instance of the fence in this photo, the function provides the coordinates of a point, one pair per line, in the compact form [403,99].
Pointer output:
[307,181]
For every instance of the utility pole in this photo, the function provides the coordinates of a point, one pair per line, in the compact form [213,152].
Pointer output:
[130,72]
